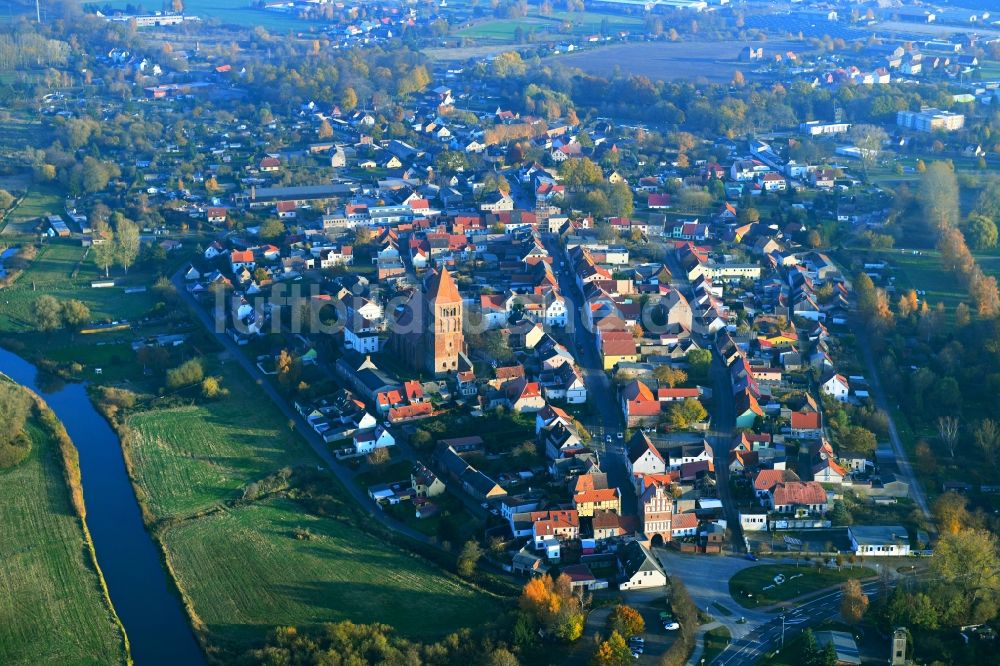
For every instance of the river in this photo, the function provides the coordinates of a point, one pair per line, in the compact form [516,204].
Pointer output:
[151,611]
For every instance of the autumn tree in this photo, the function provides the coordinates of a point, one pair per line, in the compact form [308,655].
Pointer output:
[468,558]
[670,376]
[981,232]
[987,438]
[325,131]
[968,561]
[187,373]
[75,313]
[612,652]
[939,195]
[48,313]
[854,602]
[553,604]
[685,414]
[626,621]
[950,512]
[126,242]
[104,247]
[289,369]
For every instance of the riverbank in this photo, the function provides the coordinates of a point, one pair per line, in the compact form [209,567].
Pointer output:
[138,585]
[56,600]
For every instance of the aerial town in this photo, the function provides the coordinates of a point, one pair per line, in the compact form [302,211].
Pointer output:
[530,333]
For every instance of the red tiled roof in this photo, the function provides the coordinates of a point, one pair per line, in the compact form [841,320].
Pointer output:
[805,420]
[766,479]
[796,492]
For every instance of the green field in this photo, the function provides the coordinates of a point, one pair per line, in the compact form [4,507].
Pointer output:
[52,604]
[188,459]
[262,575]
[52,273]
[753,580]
[550,27]
[191,462]
[44,199]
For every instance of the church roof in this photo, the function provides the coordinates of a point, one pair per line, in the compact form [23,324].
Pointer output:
[441,288]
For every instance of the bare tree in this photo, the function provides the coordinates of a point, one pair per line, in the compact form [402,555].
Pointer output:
[868,139]
[948,431]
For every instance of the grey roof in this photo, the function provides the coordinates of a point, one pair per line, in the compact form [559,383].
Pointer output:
[880,535]
[636,557]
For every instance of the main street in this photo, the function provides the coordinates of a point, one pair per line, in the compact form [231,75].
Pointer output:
[606,419]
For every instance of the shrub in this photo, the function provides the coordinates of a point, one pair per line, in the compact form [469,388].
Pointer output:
[186,374]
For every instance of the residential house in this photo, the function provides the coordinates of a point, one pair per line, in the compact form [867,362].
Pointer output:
[639,568]
[796,497]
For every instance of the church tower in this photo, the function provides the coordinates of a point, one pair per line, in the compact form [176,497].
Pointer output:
[443,338]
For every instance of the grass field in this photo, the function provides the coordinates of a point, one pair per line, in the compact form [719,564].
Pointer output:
[51,602]
[547,28]
[262,575]
[44,199]
[808,579]
[52,273]
[188,459]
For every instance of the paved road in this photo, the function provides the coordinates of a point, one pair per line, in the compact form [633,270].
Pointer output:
[902,462]
[769,636]
[602,396]
[317,444]
[723,427]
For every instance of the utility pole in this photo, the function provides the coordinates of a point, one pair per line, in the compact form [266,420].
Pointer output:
[38,10]
[782,631]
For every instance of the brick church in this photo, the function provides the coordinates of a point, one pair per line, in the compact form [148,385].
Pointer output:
[427,332]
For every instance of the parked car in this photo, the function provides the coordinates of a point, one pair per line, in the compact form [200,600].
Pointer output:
[671,626]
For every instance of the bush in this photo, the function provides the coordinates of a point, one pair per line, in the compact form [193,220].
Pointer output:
[15,451]
[186,374]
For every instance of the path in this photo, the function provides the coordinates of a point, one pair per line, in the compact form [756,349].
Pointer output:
[902,462]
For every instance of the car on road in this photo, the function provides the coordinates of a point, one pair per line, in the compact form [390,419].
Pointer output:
[608,439]
[637,640]
[671,626]
[621,435]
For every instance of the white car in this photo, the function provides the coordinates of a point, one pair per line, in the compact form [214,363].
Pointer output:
[671,626]
[621,435]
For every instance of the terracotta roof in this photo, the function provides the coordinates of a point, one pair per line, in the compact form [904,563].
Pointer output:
[796,492]
[766,479]
[681,521]
[244,257]
[636,391]
[676,393]
[599,495]
[805,421]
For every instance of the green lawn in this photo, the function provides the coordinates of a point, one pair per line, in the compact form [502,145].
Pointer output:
[807,579]
[52,604]
[52,272]
[262,575]
[716,640]
[42,199]
[188,459]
